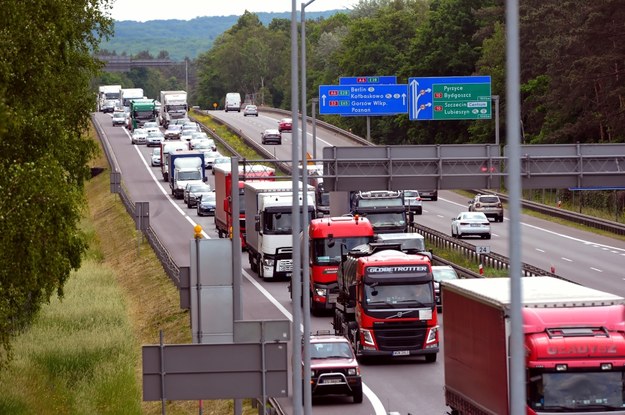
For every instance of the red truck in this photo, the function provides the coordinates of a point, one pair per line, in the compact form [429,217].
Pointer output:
[574,347]
[329,238]
[386,304]
[223,195]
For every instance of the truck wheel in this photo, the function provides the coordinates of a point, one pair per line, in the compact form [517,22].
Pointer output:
[357,395]
[431,358]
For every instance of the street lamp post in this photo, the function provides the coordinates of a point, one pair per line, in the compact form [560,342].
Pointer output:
[304,244]
[314,126]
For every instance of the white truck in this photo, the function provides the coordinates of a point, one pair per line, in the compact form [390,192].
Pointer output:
[108,93]
[173,106]
[187,168]
[166,148]
[128,94]
[233,102]
[268,226]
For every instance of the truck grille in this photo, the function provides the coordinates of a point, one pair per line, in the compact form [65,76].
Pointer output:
[284,265]
[399,336]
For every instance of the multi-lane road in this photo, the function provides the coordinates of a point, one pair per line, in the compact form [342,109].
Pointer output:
[404,386]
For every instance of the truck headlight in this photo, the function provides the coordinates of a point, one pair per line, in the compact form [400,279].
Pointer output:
[367,337]
[353,371]
[321,292]
[268,262]
[432,335]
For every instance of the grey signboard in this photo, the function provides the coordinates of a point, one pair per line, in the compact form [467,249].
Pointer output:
[214,371]
[470,166]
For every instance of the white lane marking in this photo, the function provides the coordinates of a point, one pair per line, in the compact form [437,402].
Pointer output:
[540,250]
[373,398]
[593,244]
[596,269]
[566,259]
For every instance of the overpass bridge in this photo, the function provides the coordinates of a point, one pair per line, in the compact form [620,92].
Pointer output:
[126,63]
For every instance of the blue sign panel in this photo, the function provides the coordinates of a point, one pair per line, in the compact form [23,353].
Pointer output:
[450,98]
[355,80]
[363,100]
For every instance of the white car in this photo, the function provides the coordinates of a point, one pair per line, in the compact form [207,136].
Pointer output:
[250,110]
[139,136]
[442,273]
[470,223]
[221,161]
[186,135]
[156,157]
[209,158]
[151,126]
[412,201]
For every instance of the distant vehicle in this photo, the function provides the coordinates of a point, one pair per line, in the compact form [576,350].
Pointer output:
[250,110]
[151,126]
[109,105]
[108,93]
[194,191]
[429,194]
[156,157]
[173,132]
[470,223]
[185,135]
[206,204]
[128,94]
[139,136]
[209,158]
[173,106]
[233,102]
[490,205]
[412,201]
[192,126]
[285,124]
[271,136]
[442,273]
[155,138]
[334,368]
[220,161]
[119,118]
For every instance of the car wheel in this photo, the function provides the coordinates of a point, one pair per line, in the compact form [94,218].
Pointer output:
[434,198]
[358,394]
[487,236]
[188,205]
[500,219]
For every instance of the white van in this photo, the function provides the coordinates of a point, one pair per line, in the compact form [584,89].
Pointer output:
[233,102]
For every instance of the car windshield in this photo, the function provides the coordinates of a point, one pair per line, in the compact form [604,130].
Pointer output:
[330,350]
[442,274]
[199,188]
[489,199]
[208,197]
[473,215]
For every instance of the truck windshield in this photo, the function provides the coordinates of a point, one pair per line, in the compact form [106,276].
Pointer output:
[279,222]
[189,175]
[389,296]
[383,220]
[574,390]
[324,254]
[144,115]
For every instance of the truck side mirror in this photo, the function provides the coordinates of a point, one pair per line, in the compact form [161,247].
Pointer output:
[257,223]
[411,217]
[352,291]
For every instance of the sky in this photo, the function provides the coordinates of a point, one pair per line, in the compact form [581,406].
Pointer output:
[144,10]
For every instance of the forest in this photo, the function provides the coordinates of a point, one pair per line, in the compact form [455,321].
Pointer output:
[572,63]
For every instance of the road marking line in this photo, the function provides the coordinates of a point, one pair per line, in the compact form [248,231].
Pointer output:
[540,250]
[596,269]
[566,259]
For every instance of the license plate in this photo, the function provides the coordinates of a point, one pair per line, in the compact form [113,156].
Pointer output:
[475,225]
[401,353]
[332,381]
[288,274]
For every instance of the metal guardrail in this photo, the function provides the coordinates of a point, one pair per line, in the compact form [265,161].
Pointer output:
[586,220]
[358,139]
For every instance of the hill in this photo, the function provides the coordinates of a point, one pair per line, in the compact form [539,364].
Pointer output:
[181,37]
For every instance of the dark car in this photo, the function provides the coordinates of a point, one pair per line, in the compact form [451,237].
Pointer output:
[193,192]
[271,136]
[429,194]
[333,366]
[206,204]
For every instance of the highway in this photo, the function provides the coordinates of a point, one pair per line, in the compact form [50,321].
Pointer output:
[404,386]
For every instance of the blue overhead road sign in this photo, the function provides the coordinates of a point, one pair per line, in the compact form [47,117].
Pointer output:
[450,98]
[356,80]
[364,100]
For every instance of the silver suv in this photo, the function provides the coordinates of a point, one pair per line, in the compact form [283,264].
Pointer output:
[490,205]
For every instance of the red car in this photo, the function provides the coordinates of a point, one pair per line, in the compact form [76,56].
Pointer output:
[285,124]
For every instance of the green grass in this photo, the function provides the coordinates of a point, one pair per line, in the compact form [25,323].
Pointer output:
[79,356]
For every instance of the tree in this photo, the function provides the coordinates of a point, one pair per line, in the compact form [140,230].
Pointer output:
[45,105]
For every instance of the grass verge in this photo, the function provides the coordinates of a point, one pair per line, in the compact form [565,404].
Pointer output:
[82,355]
